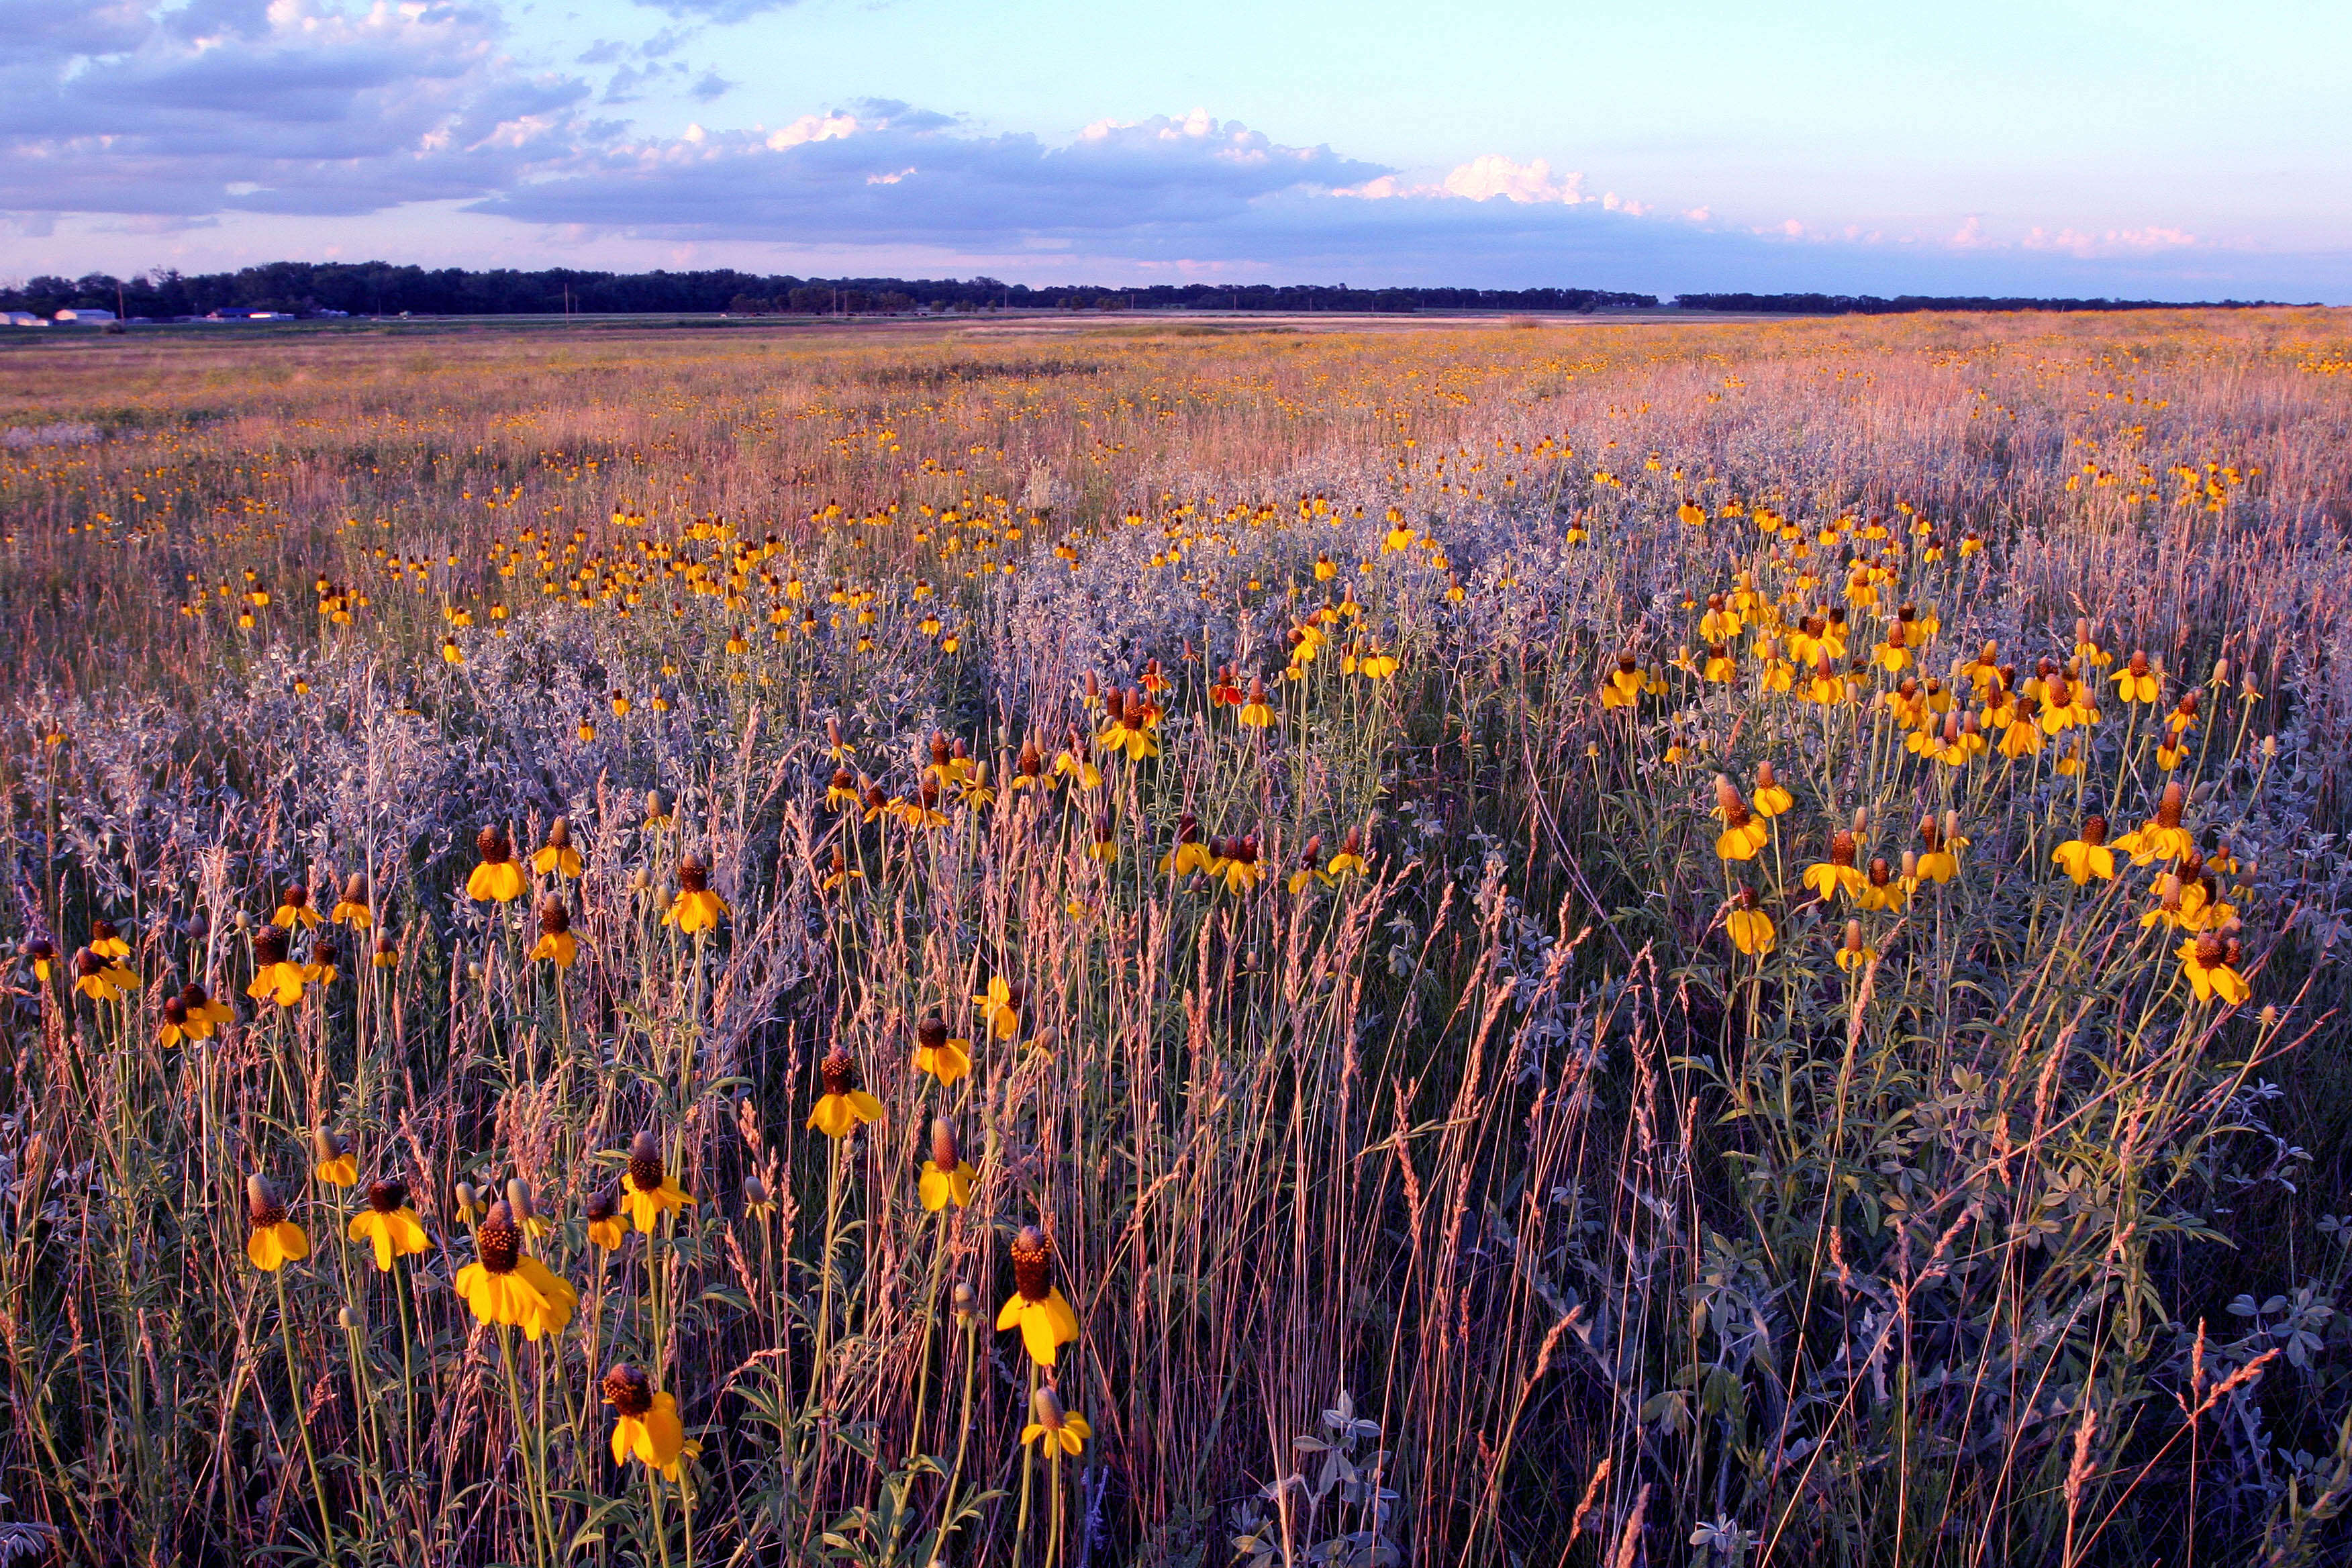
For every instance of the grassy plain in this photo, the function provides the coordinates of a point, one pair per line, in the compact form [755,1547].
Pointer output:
[1521,904]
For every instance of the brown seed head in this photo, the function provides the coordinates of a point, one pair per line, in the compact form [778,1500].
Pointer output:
[386,1196]
[355,888]
[628,1390]
[1841,850]
[2210,949]
[2168,810]
[1032,1262]
[269,946]
[931,1032]
[559,834]
[945,1154]
[645,1172]
[176,1012]
[2095,830]
[497,1242]
[1854,934]
[1881,873]
[1727,801]
[839,1071]
[554,919]
[693,875]
[262,1201]
[604,1203]
[492,843]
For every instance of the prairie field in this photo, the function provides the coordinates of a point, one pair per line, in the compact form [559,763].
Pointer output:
[1537,942]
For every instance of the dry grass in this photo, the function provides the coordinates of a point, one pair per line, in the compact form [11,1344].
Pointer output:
[1482,1203]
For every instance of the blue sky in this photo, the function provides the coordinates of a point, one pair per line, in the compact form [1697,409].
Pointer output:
[2158,148]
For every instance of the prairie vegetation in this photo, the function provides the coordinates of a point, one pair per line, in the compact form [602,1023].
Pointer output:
[1656,944]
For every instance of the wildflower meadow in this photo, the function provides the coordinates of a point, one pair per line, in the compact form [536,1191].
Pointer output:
[1117,941]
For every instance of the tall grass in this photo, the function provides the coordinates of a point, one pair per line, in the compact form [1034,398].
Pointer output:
[1482,1202]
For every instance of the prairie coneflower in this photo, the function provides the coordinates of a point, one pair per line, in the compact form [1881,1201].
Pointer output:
[557,857]
[320,969]
[497,877]
[1772,798]
[1190,855]
[1050,1425]
[843,1105]
[1837,874]
[695,908]
[1750,929]
[40,952]
[273,1240]
[841,791]
[947,1176]
[389,1222]
[945,1059]
[273,977]
[1743,834]
[1035,1307]
[645,1426]
[1237,863]
[606,1226]
[1000,1007]
[506,1285]
[649,1192]
[556,943]
[1851,953]
[2088,855]
[2210,962]
[351,910]
[1257,713]
[1940,860]
[387,952]
[101,979]
[331,1159]
[294,909]
[2161,836]
[2136,682]
[175,1027]
[1351,858]
[107,941]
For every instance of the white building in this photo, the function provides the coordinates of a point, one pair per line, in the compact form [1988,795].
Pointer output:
[86,316]
[20,318]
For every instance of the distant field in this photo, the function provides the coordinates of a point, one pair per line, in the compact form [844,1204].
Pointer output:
[1707,944]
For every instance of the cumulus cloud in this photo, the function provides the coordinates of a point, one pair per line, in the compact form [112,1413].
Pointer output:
[295,106]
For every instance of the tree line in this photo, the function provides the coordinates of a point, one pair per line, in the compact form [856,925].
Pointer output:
[379,289]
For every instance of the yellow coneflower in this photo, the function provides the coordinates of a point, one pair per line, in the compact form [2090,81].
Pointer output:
[1852,954]
[40,952]
[1309,870]
[526,1212]
[1750,928]
[645,1424]
[1743,834]
[507,1285]
[351,910]
[1236,862]
[101,979]
[1771,797]
[695,908]
[2210,962]
[294,910]
[1035,1307]
[1000,1007]
[1350,860]
[387,952]
[658,813]
[2088,855]
[1837,874]
[107,941]
[945,1059]
[1190,855]
[274,1241]
[2136,682]
[1257,713]
[1623,686]
[1052,1425]
[332,1160]
[841,791]
[1940,860]
[273,977]
[469,1203]
[844,1104]
[556,943]
[320,969]
[389,1222]
[947,1176]
[557,857]
[175,1027]
[606,1226]
[496,878]
[649,1191]
[2161,836]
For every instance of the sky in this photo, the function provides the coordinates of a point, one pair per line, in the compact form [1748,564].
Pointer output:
[2156,149]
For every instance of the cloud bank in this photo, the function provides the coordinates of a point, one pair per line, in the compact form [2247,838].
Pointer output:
[120,114]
